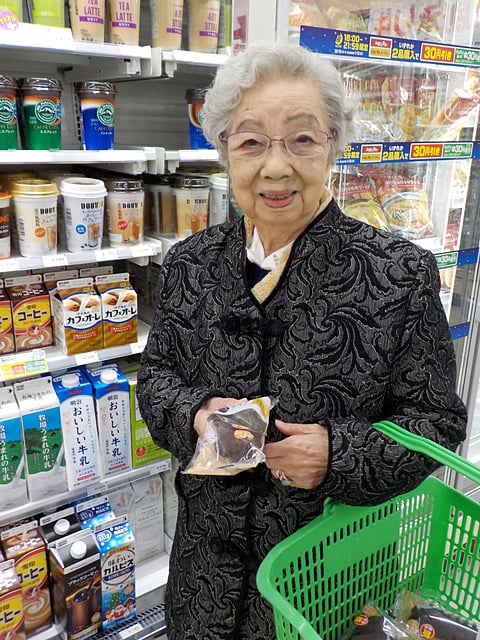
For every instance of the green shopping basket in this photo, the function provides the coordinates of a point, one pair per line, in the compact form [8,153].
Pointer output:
[318,578]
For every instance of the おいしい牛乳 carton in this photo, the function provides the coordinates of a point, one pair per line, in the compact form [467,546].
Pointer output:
[112,403]
[79,426]
[24,545]
[117,558]
[119,309]
[11,603]
[13,487]
[75,573]
[42,437]
[77,314]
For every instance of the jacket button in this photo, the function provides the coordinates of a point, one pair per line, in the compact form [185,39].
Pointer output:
[217,545]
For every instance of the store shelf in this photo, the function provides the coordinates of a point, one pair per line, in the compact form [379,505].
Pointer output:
[168,63]
[50,359]
[32,508]
[174,158]
[150,247]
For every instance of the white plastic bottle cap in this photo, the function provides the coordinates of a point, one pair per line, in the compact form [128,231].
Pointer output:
[70,380]
[78,549]
[108,376]
[61,527]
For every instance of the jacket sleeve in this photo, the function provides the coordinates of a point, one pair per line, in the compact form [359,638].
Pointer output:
[167,403]
[367,467]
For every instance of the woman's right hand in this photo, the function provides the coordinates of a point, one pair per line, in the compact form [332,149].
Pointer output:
[210,405]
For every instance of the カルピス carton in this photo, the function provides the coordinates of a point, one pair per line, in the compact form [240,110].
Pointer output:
[112,403]
[11,603]
[117,556]
[79,426]
[75,570]
[77,314]
[25,546]
[13,488]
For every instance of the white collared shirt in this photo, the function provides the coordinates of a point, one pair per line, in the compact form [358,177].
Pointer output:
[256,253]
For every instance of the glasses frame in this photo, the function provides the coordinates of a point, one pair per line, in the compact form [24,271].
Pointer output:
[224,140]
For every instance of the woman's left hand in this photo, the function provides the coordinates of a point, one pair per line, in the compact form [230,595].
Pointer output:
[302,455]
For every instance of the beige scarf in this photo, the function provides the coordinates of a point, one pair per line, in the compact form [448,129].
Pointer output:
[267,284]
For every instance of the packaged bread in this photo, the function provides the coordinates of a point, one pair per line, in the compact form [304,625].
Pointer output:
[395,18]
[357,199]
[451,117]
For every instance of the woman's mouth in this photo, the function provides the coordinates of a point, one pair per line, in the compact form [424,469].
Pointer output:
[278,199]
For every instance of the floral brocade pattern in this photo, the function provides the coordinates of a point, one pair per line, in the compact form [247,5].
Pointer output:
[353,333]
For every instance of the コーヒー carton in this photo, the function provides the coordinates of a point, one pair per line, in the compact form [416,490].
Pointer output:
[42,437]
[32,322]
[75,570]
[25,546]
[77,316]
[7,338]
[11,603]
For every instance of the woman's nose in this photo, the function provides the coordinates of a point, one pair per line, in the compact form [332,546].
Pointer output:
[277,161]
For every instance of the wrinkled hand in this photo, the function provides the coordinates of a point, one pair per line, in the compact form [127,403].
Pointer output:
[210,405]
[302,455]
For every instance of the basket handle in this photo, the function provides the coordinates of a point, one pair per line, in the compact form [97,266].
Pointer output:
[429,448]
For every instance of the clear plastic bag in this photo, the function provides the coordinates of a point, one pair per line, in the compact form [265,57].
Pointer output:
[233,439]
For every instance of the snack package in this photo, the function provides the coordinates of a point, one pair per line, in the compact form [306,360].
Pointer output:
[427,618]
[397,18]
[356,196]
[233,439]
[373,624]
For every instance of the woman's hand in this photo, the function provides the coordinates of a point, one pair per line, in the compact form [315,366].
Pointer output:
[302,455]
[210,405]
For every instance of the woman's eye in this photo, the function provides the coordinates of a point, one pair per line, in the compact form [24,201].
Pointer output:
[251,142]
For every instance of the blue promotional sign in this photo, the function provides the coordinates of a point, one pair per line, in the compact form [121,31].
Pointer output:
[376,152]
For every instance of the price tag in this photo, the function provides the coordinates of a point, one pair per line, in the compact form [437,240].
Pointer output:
[102,255]
[139,250]
[10,265]
[86,358]
[137,347]
[23,365]
[56,260]
[130,631]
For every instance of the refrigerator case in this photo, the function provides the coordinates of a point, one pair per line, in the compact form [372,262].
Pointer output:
[413,71]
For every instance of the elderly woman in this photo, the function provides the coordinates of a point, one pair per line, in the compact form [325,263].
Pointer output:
[340,322]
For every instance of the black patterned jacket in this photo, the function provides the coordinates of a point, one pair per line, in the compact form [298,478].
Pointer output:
[353,333]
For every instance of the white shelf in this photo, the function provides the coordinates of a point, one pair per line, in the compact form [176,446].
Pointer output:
[151,574]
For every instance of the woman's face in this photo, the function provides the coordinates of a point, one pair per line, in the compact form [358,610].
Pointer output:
[279,188]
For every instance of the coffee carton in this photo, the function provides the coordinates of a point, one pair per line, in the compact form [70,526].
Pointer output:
[119,309]
[42,437]
[79,426]
[13,487]
[25,546]
[50,278]
[112,403]
[117,556]
[11,603]
[7,338]
[59,524]
[75,571]
[77,316]
[144,450]
[32,322]
[94,511]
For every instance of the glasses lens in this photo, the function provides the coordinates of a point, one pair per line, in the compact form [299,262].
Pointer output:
[306,143]
[248,144]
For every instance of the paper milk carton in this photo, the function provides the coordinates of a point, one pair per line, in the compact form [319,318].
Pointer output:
[24,545]
[42,437]
[75,573]
[79,425]
[112,403]
[13,487]
[59,524]
[144,450]
[117,557]
[119,309]
[94,511]
[11,603]
[7,338]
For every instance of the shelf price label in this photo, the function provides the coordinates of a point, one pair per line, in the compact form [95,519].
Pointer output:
[23,365]
[364,153]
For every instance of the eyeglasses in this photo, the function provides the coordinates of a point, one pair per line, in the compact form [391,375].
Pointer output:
[252,144]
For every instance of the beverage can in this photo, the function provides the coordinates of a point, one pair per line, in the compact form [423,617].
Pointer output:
[42,113]
[196,99]
[191,196]
[124,205]
[97,107]
[36,216]
[83,207]
[8,113]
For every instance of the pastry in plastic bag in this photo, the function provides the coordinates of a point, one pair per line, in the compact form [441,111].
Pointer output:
[233,439]
[372,624]
[357,199]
